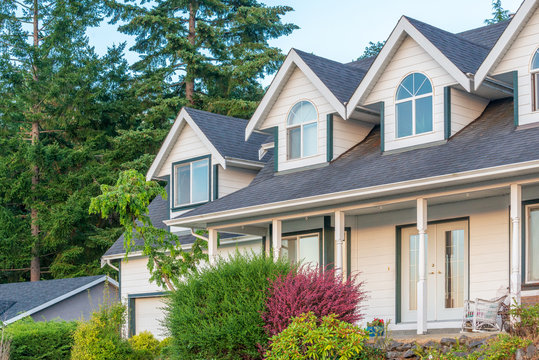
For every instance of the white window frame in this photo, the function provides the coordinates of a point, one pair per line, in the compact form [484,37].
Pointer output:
[301,126]
[175,183]
[535,83]
[296,239]
[413,100]
[528,209]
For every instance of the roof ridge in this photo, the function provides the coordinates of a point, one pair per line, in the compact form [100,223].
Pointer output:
[187,108]
[456,35]
[327,59]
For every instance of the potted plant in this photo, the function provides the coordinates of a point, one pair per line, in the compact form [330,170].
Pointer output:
[375,327]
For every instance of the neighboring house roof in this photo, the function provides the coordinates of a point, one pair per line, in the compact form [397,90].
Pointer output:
[18,300]
[222,135]
[488,142]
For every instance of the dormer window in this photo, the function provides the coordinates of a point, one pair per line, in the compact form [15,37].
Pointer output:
[191,182]
[414,106]
[535,80]
[302,130]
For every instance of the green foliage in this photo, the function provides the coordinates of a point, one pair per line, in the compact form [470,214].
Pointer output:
[129,200]
[528,320]
[43,340]
[145,343]
[100,338]
[501,347]
[308,338]
[498,13]
[372,49]
[215,313]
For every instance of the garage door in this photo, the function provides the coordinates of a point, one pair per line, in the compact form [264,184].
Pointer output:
[149,315]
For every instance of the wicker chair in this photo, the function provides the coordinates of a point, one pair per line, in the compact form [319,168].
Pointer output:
[482,315]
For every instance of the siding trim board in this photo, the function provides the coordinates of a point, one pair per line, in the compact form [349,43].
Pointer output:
[173,183]
[523,253]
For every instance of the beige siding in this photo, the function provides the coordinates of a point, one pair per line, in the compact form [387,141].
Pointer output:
[347,134]
[519,57]
[135,278]
[465,108]
[409,58]
[149,315]
[188,145]
[233,179]
[297,88]
[374,250]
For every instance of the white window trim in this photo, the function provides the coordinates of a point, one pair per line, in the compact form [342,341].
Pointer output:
[528,210]
[301,126]
[413,100]
[535,84]
[296,239]
[176,193]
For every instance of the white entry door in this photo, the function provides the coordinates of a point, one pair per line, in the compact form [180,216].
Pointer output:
[447,271]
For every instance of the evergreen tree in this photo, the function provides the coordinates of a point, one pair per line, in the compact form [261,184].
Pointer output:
[208,54]
[498,13]
[61,111]
[372,49]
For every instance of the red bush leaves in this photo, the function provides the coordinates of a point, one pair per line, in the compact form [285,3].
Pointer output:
[310,289]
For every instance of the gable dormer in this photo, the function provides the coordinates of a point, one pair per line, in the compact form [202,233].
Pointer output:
[514,60]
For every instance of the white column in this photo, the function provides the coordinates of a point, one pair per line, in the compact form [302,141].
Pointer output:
[422,282]
[212,245]
[516,204]
[277,229]
[339,242]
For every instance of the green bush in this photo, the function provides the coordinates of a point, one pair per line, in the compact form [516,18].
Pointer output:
[528,324]
[46,340]
[100,338]
[215,314]
[307,338]
[145,344]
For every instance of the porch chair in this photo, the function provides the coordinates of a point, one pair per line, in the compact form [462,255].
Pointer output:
[482,315]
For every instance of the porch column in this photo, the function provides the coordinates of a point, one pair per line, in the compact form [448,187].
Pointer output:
[277,228]
[212,245]
[422,302]
[339,241]
[516,204]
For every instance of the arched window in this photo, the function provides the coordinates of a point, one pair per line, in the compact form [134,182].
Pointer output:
[535,80]
[302,124]
[414,105]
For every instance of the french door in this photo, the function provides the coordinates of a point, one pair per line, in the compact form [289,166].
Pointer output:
[447,270]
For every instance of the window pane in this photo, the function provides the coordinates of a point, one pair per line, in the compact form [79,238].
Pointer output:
[288,250]
[423,115]
[404,119]
[309,251]
[309,139]
[294,143]
[422,85]
[535,61]
[454,269]
[536,91]
[183,184]
[201,183]
[405,88]
[302,112]
[533,246]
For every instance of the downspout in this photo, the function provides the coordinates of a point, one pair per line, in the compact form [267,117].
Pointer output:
[199,236]
[107,261]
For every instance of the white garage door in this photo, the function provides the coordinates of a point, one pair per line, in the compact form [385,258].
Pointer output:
[149,315]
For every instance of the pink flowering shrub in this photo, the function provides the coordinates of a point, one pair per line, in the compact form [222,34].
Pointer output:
[311,290]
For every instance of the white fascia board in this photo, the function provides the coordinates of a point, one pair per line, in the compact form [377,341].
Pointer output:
[61,298]
[403,28]
[246,164]
[379,190]
[292,61]
[182,118]
[506,39]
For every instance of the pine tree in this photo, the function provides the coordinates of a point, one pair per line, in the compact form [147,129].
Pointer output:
[372,49]
[208,54]
[498,13]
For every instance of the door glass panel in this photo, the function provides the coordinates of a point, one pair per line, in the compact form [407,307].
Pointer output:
[533,246]
[454,269]
[309,251]
[414,268]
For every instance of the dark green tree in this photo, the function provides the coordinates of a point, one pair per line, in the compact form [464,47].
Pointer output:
[62,109]
[372,49]
[498,13]
[208,54]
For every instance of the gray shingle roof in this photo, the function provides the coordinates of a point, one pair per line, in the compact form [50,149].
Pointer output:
[341,79]
[227,134]
[486,36]
[21,297]
[489,141]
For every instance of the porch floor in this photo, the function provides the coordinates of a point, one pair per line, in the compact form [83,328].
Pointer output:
[437,335]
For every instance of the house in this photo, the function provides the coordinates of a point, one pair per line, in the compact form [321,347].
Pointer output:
[418,168]
[63,299]
[203,158]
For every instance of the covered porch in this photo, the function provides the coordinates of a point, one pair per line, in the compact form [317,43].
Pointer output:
[420,254]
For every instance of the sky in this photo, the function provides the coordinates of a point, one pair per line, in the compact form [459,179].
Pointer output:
[341,29]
